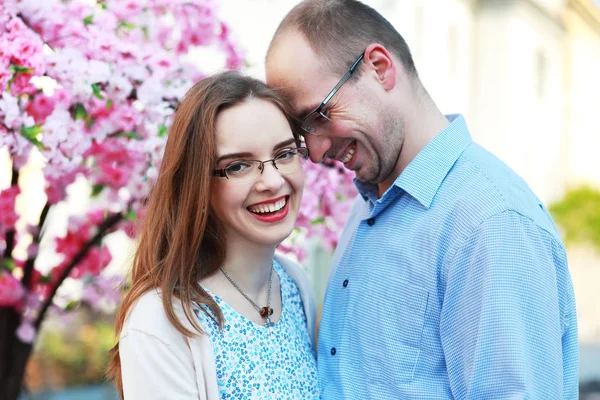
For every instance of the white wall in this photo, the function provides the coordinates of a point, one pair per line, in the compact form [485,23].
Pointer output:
[583,128]
[518,96]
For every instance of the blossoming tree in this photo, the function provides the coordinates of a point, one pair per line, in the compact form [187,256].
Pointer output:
[92,87]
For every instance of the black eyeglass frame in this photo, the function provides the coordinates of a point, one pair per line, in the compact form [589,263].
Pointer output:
[222,173]
[336,88]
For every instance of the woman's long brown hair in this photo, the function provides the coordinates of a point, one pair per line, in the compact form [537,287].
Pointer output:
[181,241]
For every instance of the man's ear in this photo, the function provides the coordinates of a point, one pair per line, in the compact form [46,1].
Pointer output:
[380,62]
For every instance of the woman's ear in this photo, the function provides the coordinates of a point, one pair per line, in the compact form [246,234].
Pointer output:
[380,62]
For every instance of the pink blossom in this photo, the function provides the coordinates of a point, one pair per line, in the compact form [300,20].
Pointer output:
[10,112]
[56,185]
[41,107]
[56,124]
[26,51]
[116,163]
[62,97]
[33,250]
[8,216]
[11,290]
[103,290]
[119,87]
[26,332]
[119,72]
[95,217]
[5,74]
[125,9]
[22,85]
[94,262]
[125,118]
[150,92]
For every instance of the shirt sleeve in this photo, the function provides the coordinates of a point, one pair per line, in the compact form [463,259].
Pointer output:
[504,312]
[152,369]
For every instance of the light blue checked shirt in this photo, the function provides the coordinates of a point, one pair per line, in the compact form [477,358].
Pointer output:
[454,284]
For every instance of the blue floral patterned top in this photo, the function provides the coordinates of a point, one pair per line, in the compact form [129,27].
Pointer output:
[256,362]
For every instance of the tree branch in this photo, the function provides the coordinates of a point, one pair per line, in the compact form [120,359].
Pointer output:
[102,229]
[28,272]
[10,235]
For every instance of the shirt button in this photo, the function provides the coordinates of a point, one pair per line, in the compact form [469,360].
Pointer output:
[345,284]
[371,221]
[333,351]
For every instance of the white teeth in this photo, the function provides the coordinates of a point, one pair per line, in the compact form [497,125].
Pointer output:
[265,208]
[349,155]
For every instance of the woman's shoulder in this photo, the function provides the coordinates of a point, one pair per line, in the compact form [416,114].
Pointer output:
[148,315]
[292,268]
[297,274]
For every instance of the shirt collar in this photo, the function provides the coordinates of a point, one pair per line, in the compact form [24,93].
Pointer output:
[424,175]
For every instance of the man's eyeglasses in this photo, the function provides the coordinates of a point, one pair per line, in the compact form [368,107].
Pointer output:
[318,118]
[285,162]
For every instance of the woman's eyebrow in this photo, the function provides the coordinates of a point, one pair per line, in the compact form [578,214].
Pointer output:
[248,155]
[284,144]
[234,156]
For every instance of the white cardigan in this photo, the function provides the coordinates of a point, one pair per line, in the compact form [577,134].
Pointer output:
[158,362]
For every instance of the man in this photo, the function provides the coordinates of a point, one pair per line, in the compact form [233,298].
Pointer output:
[450,280]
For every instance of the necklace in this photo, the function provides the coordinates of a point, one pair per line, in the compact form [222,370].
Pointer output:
[264,312]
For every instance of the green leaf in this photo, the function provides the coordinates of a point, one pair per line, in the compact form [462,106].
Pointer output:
[30,133]
[109,104]
[8,264]
[80,112]
[88,20]
[317,221]
[71,305]
[127,25]
[18,68]
[162,131]
[96,90]
[132,135]
[89,122]
[578,214]
[96,190]
[130,216]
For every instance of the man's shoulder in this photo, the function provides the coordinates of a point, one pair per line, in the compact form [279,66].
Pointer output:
[483,186]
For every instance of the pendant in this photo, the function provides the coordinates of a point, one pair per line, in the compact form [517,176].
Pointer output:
[265,312]
[269,324]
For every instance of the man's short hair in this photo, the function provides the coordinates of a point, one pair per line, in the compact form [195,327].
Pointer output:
[339,30]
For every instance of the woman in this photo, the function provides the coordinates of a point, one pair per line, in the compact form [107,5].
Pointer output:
[212,311]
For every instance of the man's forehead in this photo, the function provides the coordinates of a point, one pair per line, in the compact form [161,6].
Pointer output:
[303,93]
[294,68]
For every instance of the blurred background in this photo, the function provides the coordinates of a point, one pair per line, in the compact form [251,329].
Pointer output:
[526,75]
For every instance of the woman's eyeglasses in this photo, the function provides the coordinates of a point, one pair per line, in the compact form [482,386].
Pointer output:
[285,162]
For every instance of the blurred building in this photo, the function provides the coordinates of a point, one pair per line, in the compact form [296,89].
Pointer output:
[524,72]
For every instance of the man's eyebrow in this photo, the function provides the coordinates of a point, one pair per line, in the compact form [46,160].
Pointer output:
[304,111]
[248,155]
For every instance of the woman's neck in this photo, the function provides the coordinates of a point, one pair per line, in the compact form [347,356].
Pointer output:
[249,266]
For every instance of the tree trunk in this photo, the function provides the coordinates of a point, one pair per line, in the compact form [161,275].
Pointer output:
[14,355]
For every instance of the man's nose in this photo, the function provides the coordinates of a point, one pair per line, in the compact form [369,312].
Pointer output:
[317,147]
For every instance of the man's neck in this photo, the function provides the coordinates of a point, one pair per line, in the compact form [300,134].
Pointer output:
[420,129]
